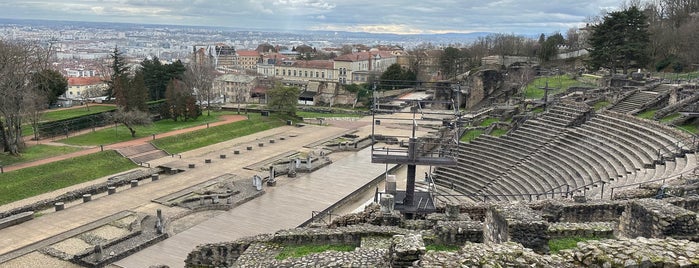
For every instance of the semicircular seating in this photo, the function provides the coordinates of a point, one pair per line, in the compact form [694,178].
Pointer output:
[568,149]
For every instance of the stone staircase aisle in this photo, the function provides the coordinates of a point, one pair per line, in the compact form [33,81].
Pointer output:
[142,153]
[634,101]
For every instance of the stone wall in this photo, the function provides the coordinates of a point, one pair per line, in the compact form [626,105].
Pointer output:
[592,211]
[640,252]
[588,229]
[457,232]
[688,203]
[517,223]
[406,250]
[654,218]
[226,254]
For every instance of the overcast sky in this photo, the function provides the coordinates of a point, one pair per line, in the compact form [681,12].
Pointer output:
[378,16]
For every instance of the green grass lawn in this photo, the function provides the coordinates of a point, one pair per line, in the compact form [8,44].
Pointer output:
[203,137]
[324,115]
[470,135]
[36,152]
[647,114]
[690,127]
[32,181]
[670,117]
[296,251]
[600,104]
[55,115]
[120,133]
[557,84]
[556,245]
[489,121]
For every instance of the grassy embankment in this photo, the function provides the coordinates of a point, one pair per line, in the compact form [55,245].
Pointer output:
[556,84]
[203,137]
[31,181]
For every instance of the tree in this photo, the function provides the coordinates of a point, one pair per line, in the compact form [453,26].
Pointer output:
[199,76]
[156,75]
[90,92]
[36,105]
[284,99]
[451,62]
[130,118]
[19,61]
[131,92]
[50,83]
[180,102]
[361,91]
[620,40]
[397,77]
[131,95]
[117,71]
[549,48]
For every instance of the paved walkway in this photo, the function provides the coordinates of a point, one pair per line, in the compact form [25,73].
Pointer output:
[138,199]
[280,207]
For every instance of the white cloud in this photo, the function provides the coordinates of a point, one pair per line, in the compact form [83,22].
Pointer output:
[398,16]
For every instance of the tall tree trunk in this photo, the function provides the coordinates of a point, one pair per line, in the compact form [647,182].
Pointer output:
[3,137]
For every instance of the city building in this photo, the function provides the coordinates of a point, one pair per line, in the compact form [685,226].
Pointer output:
[359,66]
[235,88]
[247,59]
[84,88]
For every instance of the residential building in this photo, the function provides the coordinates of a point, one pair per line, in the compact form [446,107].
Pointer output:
[83,88]
[247,59]
[235,88]
[359,66]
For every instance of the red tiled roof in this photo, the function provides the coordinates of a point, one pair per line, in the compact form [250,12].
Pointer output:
[316,64]
[247,53]
[363,56]
[84,81]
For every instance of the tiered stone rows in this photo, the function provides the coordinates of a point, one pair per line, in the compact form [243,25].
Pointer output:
[551,156]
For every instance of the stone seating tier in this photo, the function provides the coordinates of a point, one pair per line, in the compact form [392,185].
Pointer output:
[629,160]
[592,158]
[640,156]
[655,138]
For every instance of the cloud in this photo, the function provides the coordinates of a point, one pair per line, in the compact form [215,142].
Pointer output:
[397,16]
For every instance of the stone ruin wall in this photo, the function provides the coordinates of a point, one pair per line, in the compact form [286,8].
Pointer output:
[654,218]
[529,225]
[516,222]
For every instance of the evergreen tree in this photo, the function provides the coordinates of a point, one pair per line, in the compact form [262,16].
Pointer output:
[396,77]
[620,41]
[118,71]
[50,83]
[157,75]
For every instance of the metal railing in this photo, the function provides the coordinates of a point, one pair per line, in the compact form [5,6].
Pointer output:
[662,180]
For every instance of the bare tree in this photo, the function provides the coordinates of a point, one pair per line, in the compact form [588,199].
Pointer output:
[130,119]
[89,93]
[18,62]
[199,76]
[36,105]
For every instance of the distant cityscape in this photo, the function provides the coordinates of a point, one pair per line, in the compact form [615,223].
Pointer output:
[89,40]
[249,62]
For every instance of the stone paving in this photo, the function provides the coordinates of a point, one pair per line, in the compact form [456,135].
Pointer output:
[81,217]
